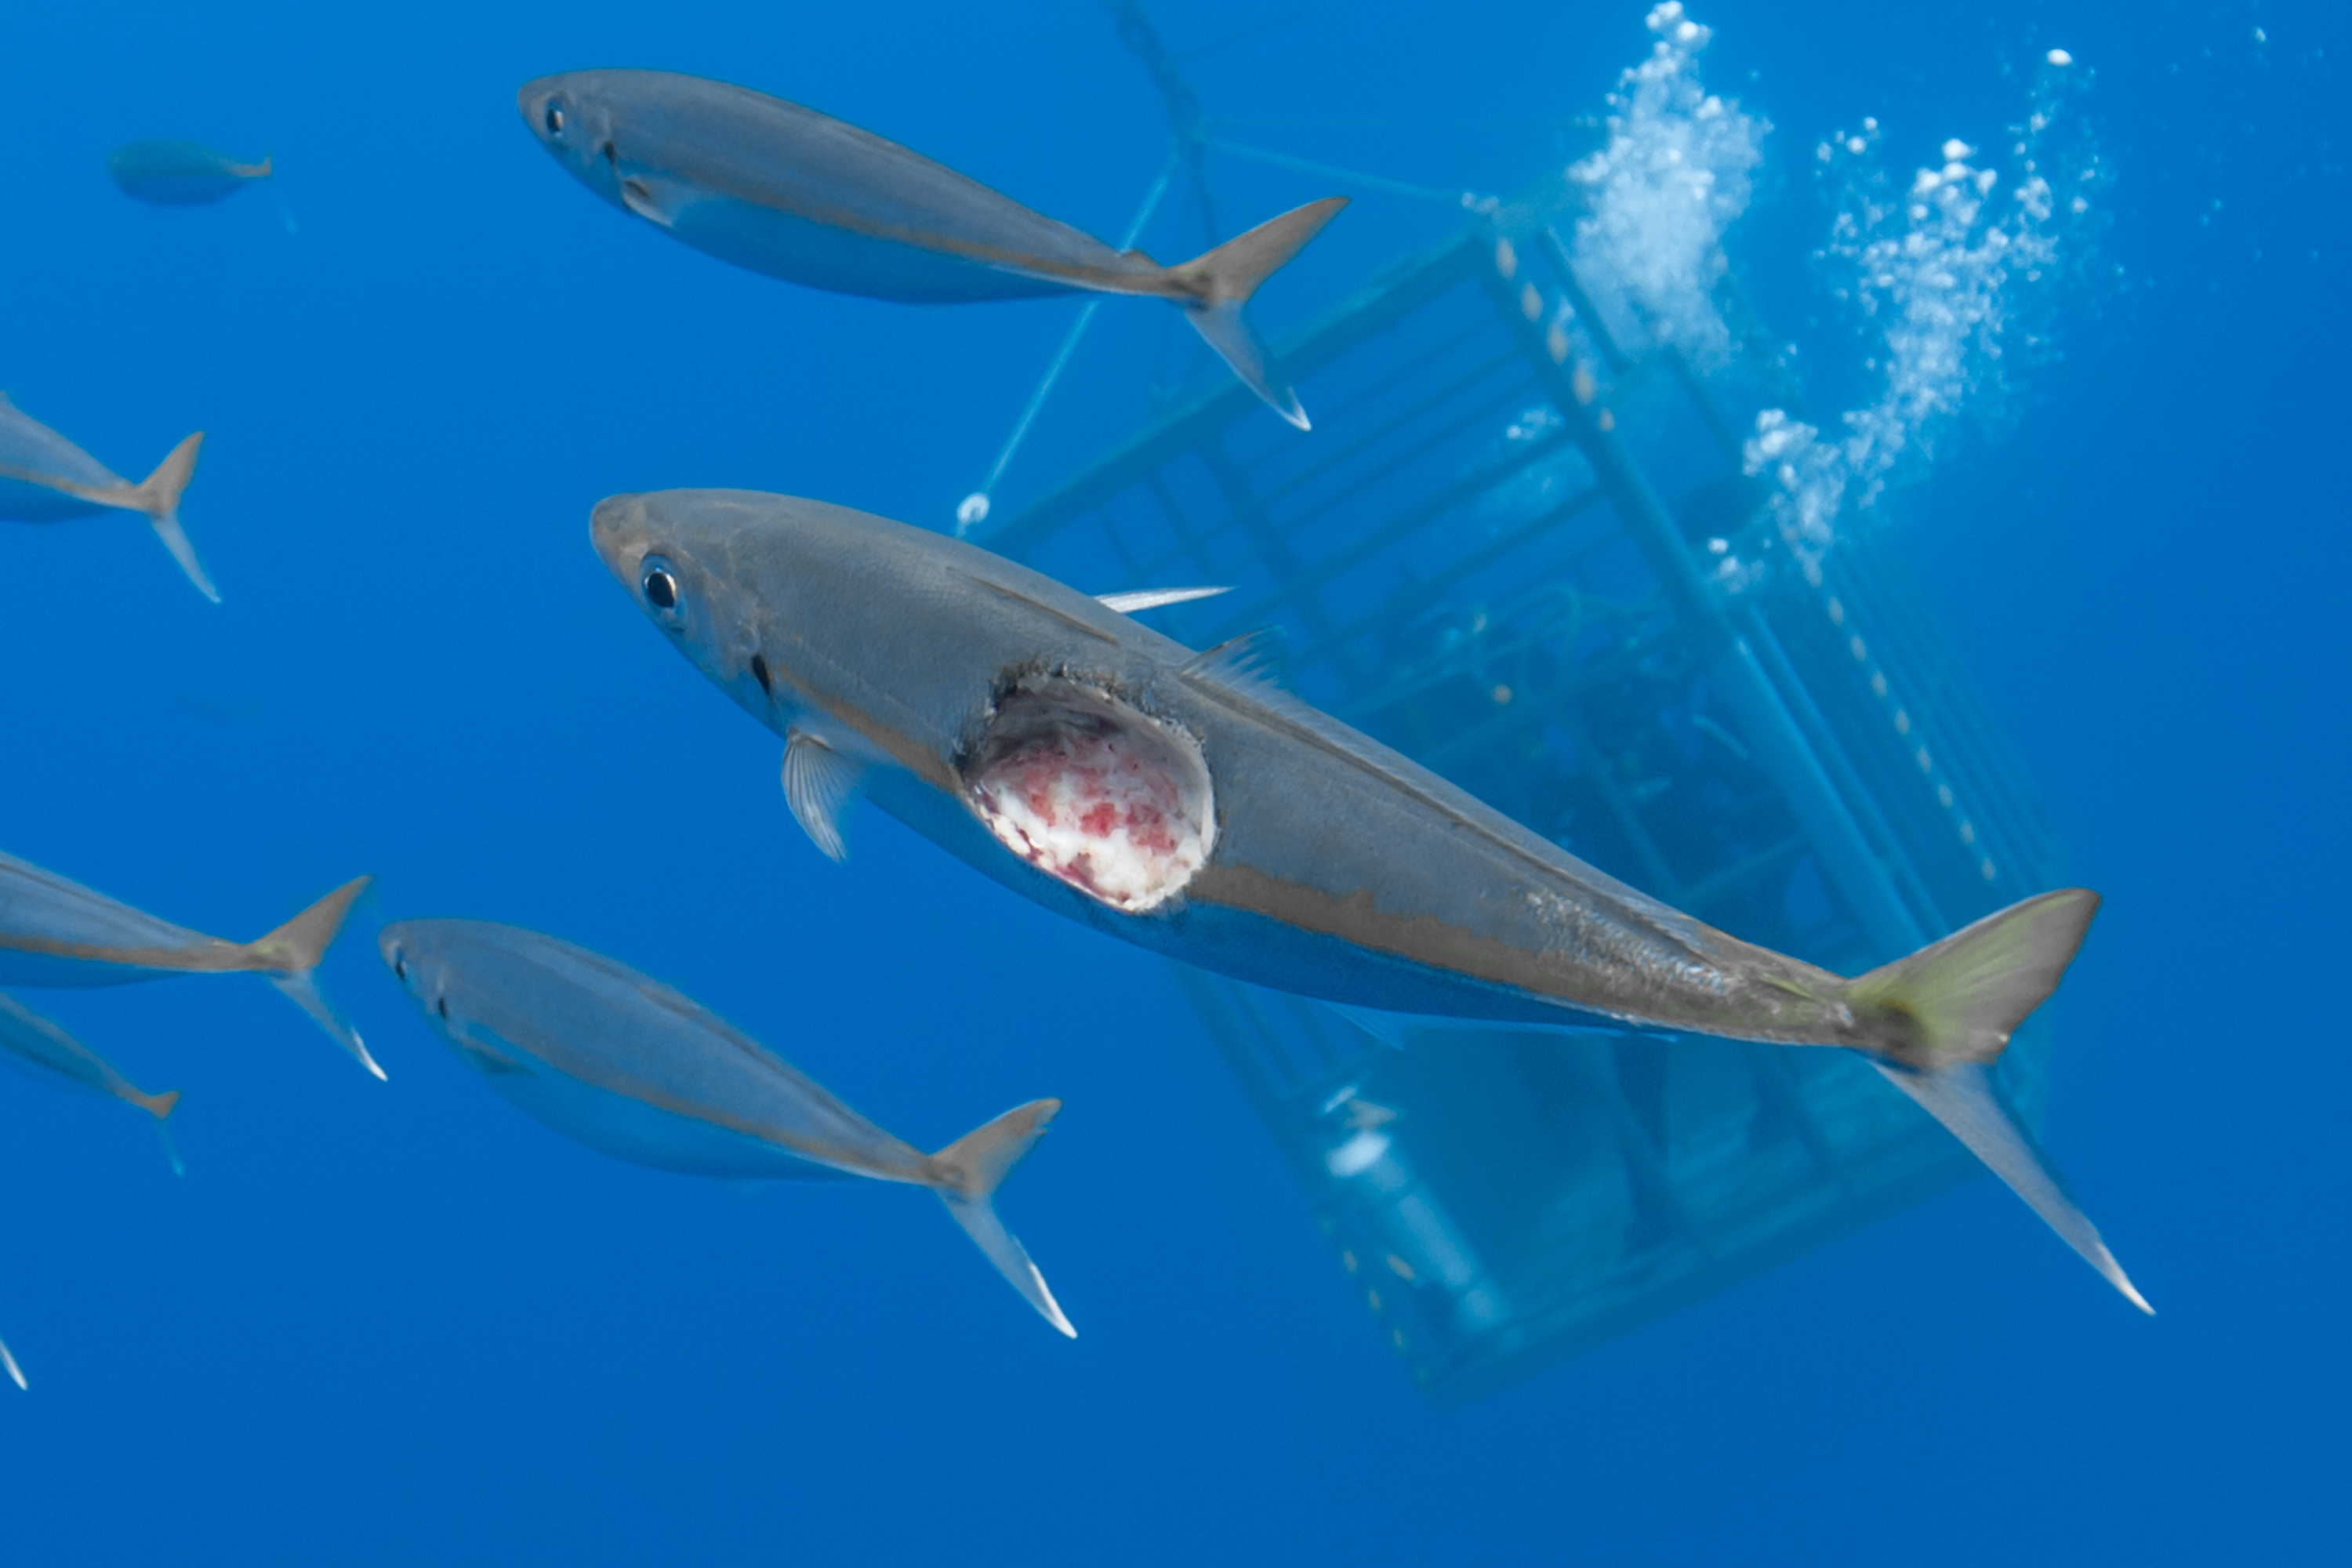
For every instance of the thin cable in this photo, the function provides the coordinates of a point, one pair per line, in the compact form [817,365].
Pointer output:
[1468,199]
[974,506]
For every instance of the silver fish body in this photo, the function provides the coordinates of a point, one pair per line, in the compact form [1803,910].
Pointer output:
[783,189]
[1339,868]
[58,933]
[1181,802]
[45,477]
[633,1068]
[180,174]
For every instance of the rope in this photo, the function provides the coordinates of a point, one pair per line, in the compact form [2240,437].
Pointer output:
[974,510]
[1465,199]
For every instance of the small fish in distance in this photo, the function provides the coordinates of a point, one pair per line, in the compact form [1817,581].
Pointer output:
[1185,802]
[39,1049]
[800,195]
[633,1068]
[180,174]
[59,933]
[43,477]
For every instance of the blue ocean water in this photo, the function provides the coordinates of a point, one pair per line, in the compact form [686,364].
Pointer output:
[376,1323]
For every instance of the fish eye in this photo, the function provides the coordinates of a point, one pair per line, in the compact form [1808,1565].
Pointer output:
[441,1005]
[554,117]
[399,964]
[660,584]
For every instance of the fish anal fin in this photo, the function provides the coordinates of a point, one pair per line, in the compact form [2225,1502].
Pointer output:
[1964,1098]
[1261,658]
[819,784]
[1153,598]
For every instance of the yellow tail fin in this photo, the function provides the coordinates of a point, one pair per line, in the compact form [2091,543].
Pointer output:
[1958,1000]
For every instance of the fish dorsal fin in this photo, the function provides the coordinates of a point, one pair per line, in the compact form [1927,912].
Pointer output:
[1259,659]
[819,784]
[1153,598]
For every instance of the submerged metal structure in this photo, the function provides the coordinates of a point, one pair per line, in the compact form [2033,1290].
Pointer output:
[1525,553]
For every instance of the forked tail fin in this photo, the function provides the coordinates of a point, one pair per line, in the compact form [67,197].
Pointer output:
[1218,283]
[287,955]
[1958,1000]
[970,1169]
[1937,1019]
[158,495]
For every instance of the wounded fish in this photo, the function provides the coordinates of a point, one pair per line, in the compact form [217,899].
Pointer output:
[59,933]
[180,174]
[41,1049]
[1186,803]
[800,195]
[632,1069]
[43,477]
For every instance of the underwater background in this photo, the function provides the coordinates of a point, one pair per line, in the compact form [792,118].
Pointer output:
[375,1322]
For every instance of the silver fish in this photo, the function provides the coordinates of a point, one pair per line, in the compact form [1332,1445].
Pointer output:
[800,195]
[41,1049]
[632,1069]
[54,932]
[44,1050]
[43,477]
[1183,802]
[180,174]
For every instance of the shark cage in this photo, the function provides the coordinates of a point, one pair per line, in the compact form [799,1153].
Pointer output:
[1522,550]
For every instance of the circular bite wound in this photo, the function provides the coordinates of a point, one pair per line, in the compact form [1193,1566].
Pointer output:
[1091,791]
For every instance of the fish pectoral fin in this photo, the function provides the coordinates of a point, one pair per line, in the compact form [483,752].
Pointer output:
[1261,658]
[642,198]
[1964,1098]
[819,784]
[1153,598]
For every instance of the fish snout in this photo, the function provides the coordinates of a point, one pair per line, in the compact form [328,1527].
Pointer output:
[618,530]
[575,122]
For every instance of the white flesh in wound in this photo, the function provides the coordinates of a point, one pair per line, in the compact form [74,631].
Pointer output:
[1091,791]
